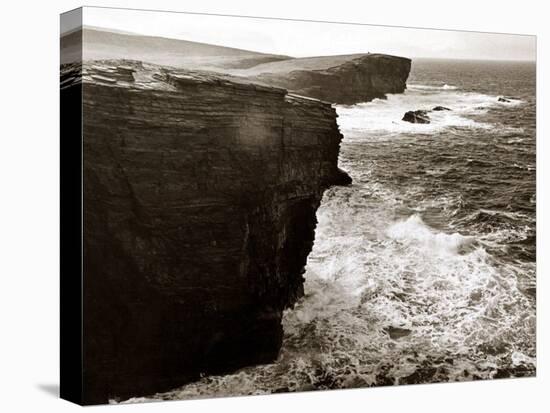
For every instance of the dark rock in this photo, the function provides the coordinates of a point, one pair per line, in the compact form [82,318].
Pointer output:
[342,178]
[417,116]
[502,374]
[423,374]
[504,100]
[530,292]
[200,200]
[440,108]
[396,333]
[493,348]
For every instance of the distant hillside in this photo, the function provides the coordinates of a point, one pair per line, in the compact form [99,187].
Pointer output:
[105,44]
[302,63]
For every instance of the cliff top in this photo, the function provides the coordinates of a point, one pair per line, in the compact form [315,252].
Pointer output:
[138,75]
[318,63]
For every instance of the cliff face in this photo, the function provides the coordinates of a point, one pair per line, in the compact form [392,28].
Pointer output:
[349,81]
[200,195]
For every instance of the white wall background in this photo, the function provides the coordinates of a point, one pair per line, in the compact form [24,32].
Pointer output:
[29,193]
[307,38]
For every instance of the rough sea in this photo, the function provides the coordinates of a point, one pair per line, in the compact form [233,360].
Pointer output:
[423,270]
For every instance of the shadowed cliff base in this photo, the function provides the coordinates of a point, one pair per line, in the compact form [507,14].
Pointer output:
[200,199]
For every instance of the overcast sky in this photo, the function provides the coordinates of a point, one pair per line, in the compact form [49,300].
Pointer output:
[299,38]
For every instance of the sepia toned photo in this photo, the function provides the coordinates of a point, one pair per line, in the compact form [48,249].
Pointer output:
[271,205]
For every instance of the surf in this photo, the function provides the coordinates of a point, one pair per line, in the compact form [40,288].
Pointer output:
[385,115]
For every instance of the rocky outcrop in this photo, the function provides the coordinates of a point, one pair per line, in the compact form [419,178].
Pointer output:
[416,116]
[339,79]
[440,108]
[200,194]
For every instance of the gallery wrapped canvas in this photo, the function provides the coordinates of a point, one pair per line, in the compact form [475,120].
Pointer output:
[254,205]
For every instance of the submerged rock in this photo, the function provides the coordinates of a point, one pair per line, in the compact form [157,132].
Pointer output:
[417,116]
[440,108]
[504,100]
[396,333]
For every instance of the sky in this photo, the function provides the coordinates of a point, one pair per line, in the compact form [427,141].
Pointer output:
[303,38]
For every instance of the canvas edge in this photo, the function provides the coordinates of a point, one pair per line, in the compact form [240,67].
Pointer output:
[71,338]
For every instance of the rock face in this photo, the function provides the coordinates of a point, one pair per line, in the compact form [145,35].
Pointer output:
[200,194]
[349,81]
[417,116]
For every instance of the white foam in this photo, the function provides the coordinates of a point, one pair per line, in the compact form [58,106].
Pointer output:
[369,271]
[515,140]
[417,86]
[414,230]
[385,115]
[519,358]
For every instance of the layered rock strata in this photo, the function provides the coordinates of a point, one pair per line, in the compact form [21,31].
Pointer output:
[200,194]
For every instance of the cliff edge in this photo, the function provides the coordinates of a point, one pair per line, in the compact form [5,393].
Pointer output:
[200,194]
[345,79]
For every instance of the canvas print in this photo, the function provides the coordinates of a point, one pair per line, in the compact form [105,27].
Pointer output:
[271,205]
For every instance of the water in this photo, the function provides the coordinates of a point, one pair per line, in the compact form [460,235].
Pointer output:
[424,269]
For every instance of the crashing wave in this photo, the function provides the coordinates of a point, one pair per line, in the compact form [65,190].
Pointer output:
[414,230]
[431,87]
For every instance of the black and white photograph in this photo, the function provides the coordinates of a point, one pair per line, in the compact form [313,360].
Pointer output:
[295,206]
[352,208]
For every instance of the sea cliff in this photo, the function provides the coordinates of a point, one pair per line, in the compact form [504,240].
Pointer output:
[200,193]
[345,79]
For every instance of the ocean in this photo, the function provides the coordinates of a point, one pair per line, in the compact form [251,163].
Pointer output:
[423,270]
